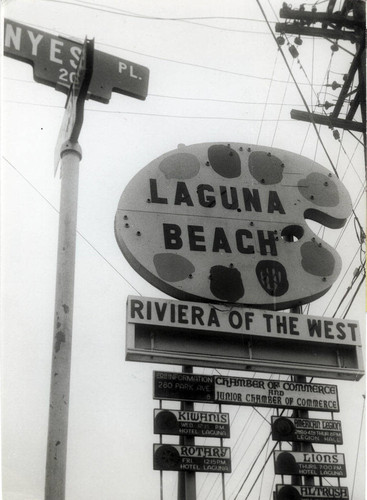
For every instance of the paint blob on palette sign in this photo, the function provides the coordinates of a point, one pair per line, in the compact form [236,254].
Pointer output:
[220,222]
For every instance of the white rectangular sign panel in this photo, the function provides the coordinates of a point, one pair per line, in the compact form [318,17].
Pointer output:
[309,464]
[240,320]
[238,338]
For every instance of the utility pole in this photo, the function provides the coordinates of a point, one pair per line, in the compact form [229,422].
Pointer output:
[347,24]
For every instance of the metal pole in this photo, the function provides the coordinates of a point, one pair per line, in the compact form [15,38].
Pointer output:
[303,446]
[186,489]
[61,348]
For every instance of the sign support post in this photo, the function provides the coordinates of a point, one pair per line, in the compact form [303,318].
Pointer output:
[61,350]
[186,489]
[297,480]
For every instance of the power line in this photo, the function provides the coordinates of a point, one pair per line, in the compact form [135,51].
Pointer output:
[159,115]
[299,90]
[359,443]
[253,465]
[267,97]
[126,13]
[355,293]
[78,232]
[188,98]
[200,66]
[307,108]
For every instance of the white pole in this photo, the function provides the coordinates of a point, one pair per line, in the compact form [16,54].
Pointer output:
[63,321]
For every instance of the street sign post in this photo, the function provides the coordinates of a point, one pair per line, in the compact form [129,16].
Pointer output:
[191,458]
[313,492]
[191,423]
[245,391]
[297,463]
[55,63]
[309,430]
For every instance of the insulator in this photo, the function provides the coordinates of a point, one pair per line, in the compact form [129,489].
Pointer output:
[293,51]
[335,47]
[335,85]
[298,40]
[336,134]
[280,40]
[328,105]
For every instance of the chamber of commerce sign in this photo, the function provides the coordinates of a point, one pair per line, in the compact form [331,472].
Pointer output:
[213,222]
[245,391]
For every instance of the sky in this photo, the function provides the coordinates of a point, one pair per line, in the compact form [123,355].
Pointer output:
[216,75]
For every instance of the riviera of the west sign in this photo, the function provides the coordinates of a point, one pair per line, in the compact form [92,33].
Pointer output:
[176,332]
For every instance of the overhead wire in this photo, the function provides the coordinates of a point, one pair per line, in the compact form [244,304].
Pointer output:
[261,470]
[358,447]
[310,114]
[337,288]
[158,115]
[355,293]
[267,97]
[280,109]
[299,91]
[126,13]
[185,98]
[78,232]
[246,450]
[262,475]
[155,115]
[200,66]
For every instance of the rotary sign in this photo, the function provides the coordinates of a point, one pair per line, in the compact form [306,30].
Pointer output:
[191,458]
[222,222]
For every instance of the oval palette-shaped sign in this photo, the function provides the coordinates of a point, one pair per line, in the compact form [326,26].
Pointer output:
[221,222]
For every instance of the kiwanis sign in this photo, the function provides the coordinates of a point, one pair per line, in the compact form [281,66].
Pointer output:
[227,223]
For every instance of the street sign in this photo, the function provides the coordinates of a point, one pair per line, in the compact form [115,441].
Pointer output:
[74,108]
[294,463]
[288,492]
[191,458]
[213,222]
[308,430]
[55,61]
[245,391]
[191,423]
[232,337]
